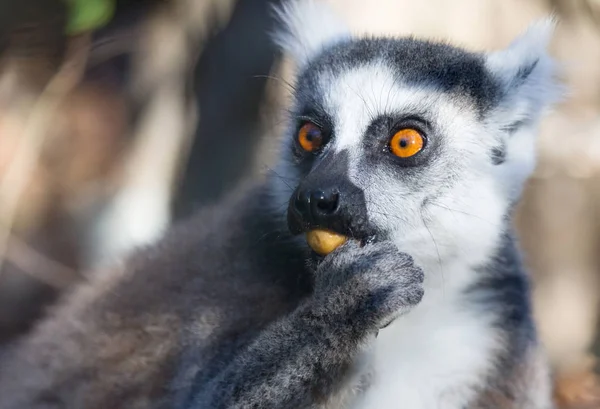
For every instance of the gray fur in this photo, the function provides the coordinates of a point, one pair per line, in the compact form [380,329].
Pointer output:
[302,360]
[113,340]
[427,302]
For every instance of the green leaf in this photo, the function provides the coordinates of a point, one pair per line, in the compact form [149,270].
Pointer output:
[86,15]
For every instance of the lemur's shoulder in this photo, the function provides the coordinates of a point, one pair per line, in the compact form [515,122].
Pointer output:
[526,386]
[521,377]
[118,340]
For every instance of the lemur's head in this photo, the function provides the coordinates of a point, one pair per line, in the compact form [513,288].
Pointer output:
[415,141]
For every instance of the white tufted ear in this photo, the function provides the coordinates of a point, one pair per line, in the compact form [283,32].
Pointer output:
[526,73]
[306,27]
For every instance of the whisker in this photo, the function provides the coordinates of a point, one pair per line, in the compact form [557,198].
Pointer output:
[366,105]
[398,217]
[290,86]
[267,167]
[394,82]
[438,254]
[462,212]
[278,208]
[283,179]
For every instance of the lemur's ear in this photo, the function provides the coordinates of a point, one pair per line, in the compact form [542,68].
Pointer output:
[526,74]
[528,81]
[306,27]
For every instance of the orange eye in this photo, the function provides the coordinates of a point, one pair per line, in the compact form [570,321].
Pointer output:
[310,137]
[406,143]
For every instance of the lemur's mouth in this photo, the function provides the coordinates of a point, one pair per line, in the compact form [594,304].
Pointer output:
[297,225]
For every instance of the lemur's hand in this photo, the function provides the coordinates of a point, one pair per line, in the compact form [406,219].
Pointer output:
[307,354]
[369,285]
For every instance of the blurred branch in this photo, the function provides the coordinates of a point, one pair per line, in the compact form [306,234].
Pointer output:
[39,266]
[596,347]
[120,43]
[45,107]
[170,42]
[588,9]
[592,8]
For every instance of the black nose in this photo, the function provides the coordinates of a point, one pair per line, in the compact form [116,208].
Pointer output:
[317,205]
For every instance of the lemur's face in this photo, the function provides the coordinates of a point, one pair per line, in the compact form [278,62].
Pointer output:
[418,142]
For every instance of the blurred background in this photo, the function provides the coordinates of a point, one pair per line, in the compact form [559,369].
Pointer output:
[119,117]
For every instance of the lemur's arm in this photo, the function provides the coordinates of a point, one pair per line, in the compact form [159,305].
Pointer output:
[299,361]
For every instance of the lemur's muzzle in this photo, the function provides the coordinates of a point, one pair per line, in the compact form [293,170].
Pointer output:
[327,199]
[318,207]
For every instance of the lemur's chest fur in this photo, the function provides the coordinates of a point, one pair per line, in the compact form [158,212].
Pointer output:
[438,356]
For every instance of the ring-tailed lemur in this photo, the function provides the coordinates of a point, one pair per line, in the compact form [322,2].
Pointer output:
[417,151]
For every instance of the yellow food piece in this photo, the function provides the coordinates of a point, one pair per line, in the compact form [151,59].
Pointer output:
[324,242]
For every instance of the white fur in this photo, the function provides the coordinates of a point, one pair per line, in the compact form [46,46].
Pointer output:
[473,207]
[529,48]
[307,26]
[436,355]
